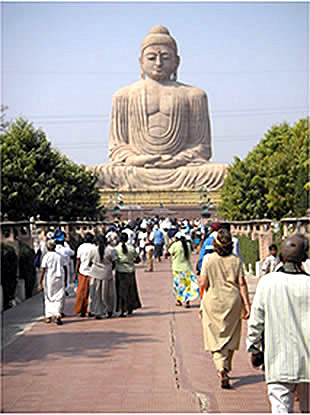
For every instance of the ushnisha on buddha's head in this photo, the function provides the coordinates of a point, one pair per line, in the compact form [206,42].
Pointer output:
[159,58]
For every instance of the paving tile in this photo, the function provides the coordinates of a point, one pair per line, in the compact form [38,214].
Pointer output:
[125,365]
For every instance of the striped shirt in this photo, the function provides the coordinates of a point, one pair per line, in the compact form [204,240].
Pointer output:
[281,308]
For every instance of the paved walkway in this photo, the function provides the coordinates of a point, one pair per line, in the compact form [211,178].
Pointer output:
[152,361]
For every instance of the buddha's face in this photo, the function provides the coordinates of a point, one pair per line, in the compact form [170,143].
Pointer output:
[159,62]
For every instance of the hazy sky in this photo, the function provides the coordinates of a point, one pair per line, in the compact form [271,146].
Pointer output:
[62,62]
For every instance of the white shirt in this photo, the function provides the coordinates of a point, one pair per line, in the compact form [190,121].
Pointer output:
[281,308]
[131,236]
[142,239]
[102,270]
[270,264]
[54,263]
[66,252]
[83,254]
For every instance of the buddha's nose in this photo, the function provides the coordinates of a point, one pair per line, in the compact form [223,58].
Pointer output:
[158,60]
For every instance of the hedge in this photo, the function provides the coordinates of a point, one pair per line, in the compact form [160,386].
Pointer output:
[9,262]
[249,250]
[8,273]
[26,268]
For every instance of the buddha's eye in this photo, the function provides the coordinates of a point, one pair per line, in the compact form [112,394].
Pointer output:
[151,57]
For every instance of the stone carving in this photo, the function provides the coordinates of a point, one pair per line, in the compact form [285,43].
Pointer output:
[160,129]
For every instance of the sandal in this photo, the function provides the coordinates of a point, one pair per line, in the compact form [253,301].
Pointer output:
[178,303]
[187,305]
[58,321]
[48,320]
[224,379]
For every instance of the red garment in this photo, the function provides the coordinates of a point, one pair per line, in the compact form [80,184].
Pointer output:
[81,303]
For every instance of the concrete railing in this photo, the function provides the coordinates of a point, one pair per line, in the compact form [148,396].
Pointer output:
[30,232]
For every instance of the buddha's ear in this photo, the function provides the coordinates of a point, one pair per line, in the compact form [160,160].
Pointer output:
[141,68]
[174,75]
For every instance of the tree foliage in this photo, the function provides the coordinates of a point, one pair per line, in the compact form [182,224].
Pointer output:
[273,180]
[3,122]
[37,179]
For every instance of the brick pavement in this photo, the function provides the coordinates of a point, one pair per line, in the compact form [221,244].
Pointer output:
[152,361]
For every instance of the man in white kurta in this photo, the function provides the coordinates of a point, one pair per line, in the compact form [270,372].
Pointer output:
[52,281]
[281,309]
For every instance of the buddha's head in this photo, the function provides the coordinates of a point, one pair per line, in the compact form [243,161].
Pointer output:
[159,58]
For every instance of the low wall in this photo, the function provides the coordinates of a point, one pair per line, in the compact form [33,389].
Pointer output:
[29,232]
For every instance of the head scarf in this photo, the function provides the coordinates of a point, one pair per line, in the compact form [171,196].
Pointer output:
[215,226]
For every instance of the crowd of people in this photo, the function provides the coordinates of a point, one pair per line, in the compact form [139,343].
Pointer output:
[278,337]
[104,269]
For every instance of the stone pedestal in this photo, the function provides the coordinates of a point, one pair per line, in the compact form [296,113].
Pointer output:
[186,203]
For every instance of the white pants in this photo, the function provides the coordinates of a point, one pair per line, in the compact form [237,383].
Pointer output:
[281,397]
[102,296]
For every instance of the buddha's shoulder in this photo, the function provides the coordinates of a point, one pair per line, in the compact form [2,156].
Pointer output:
[128,90]
[178,88]
[190,90]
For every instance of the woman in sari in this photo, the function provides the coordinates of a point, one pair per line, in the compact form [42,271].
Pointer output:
[224,303]
[125,278]
[102,294]
[185,285]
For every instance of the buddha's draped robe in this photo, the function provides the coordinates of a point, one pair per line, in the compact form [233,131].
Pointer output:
[187,138]
[188,133]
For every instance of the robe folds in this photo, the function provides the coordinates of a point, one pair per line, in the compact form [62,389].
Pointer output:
[187,138]
[188,134]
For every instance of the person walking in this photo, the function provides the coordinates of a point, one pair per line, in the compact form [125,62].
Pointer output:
[63,249]
[82,270]
[102,293]
[280,318]
[271,262]
[224,303]
[185,285]
[141,241]
[112,236]
[125,279]
[159,241]
[207,245]
[52,280]
[207,248]
[149,250]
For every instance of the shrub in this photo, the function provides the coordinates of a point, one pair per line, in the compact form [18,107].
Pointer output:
[249,250]
[26,268]
[8,273]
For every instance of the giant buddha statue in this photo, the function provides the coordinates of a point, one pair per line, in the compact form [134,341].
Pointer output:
[160,129]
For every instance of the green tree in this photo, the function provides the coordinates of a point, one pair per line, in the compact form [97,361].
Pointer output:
[37,179]
[272,180]
[3,122]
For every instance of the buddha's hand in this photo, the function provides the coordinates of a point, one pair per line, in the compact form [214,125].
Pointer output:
[168,162]
[142,161]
